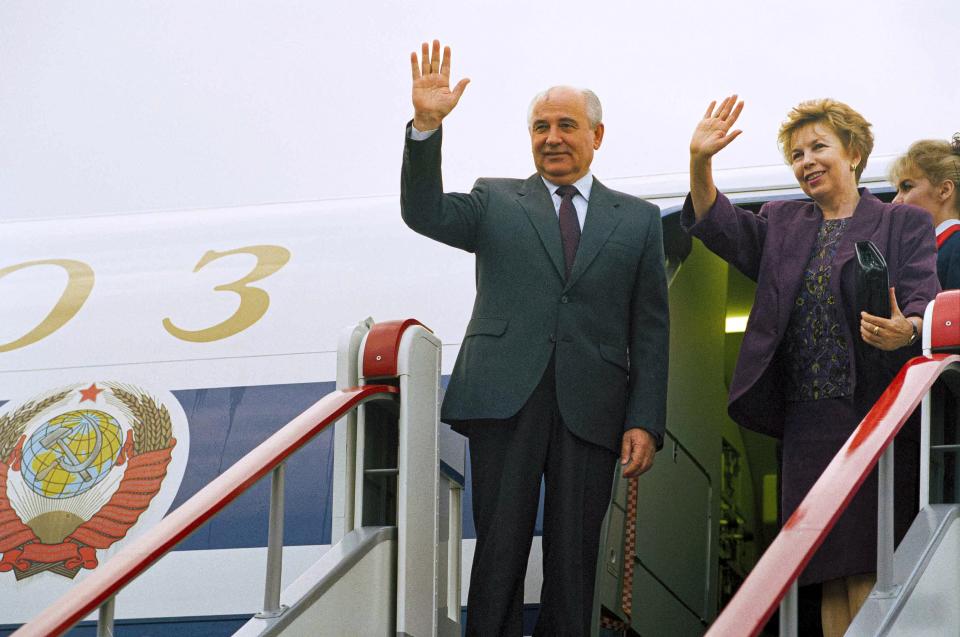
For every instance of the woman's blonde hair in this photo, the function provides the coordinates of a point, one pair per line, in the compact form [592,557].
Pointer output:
[938,160]
[846,123]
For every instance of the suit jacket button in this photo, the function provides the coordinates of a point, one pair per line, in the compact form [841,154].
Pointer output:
[564,299]
[553,338]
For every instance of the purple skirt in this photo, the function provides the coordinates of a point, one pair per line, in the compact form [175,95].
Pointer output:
[813,433]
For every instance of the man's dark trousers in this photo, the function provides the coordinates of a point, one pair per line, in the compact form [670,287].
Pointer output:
[508,458]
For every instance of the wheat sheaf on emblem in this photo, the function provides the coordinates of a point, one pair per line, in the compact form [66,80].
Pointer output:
[71,482]
[12,425]
[151,424]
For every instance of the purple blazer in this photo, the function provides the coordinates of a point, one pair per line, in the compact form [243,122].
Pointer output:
[772,247]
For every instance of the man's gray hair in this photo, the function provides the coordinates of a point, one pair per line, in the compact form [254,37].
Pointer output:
[594,110]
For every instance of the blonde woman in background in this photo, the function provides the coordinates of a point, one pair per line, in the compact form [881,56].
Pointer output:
[927,176]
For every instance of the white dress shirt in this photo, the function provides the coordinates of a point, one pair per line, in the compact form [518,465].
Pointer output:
[580,201]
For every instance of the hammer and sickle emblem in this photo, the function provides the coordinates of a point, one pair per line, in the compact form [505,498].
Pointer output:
[66,459]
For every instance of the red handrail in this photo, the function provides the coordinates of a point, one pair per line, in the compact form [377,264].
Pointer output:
[806,529]
[137,556]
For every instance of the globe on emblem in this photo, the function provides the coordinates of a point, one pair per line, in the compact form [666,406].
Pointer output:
[71,453]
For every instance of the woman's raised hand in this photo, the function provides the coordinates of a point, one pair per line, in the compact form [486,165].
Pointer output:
[713,131]
[711,135]
[432,98]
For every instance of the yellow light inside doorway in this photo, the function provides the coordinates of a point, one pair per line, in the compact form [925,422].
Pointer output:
[736,324]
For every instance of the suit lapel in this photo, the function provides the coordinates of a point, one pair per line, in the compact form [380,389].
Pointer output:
[535,200]
[600,222]
[795,250]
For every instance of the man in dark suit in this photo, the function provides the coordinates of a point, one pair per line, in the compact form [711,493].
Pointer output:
[564,362]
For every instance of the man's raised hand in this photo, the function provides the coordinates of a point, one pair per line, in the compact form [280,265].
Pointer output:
[432,98]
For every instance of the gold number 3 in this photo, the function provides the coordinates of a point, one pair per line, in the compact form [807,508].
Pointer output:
[253,300]
[79,284]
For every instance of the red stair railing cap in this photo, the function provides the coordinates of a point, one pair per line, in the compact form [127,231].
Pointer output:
[383,347]
[945,331]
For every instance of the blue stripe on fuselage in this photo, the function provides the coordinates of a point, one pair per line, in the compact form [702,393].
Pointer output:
[227,423]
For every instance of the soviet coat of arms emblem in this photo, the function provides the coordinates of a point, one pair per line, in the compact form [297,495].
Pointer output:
[78,467]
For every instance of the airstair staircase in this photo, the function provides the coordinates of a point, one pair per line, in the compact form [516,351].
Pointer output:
[918,586]
[394,566]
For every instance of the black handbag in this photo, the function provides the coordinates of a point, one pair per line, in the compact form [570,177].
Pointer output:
[873,284]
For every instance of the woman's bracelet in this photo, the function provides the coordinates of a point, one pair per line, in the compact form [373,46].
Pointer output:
[915,335]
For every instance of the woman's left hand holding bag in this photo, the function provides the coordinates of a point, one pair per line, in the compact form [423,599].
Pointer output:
[892,333]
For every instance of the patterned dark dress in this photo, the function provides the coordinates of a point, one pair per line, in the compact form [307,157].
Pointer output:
[820,416]
[814,351]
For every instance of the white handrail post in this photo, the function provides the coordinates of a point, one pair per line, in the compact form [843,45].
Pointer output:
[885,522]
[271,595]
[345,518]
[105,617]
[925,406]
[345,433]
[789,612]
[418,489]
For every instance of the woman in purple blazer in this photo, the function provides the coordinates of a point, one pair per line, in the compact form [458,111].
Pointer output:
[811,364]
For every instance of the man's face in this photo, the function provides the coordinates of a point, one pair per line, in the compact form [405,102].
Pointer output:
[561,137]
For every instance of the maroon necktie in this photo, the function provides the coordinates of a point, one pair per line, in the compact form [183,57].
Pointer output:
[569,226]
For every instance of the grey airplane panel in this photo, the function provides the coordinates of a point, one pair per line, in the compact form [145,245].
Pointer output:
[676,495]
[658,613]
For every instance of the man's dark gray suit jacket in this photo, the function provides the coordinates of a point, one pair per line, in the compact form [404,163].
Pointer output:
[607,326]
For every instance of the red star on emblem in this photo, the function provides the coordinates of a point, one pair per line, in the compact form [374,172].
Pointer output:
[90,393]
